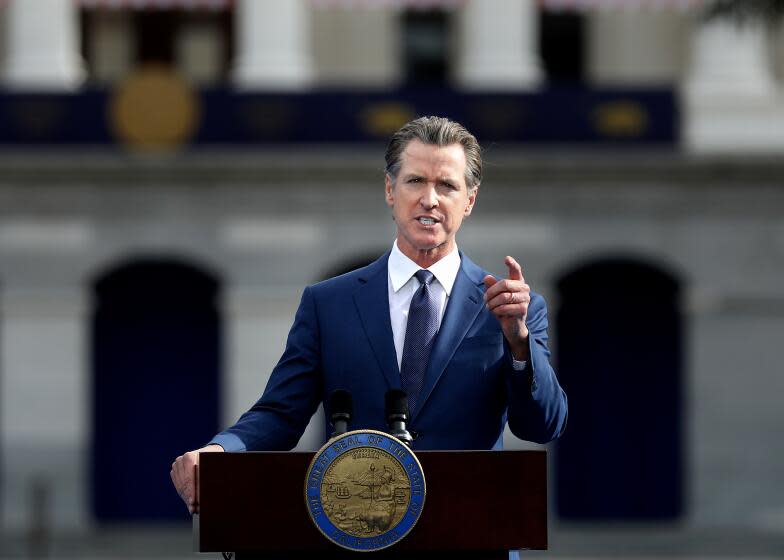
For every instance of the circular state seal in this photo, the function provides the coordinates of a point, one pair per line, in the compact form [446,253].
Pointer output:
[365,490]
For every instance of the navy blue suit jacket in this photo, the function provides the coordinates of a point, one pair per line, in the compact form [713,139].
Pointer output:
[342,339]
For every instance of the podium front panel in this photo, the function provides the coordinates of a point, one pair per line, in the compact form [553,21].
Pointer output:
[476,501]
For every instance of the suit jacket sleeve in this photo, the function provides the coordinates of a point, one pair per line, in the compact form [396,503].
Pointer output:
[280,416]
[537,404]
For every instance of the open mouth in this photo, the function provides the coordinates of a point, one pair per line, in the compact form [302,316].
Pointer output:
[427,221]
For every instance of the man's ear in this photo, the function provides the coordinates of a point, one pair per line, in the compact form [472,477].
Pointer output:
[389,190]
[471,200]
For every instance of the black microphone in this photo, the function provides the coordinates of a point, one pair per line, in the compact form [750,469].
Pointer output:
[396,405]
[342,408]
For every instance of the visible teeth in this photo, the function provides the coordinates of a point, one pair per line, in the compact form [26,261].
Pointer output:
[427,221]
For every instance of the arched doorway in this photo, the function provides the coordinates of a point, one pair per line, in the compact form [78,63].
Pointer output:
[155,378]
[619,357]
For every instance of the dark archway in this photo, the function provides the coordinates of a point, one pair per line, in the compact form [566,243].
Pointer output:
[619,357]
[155,377]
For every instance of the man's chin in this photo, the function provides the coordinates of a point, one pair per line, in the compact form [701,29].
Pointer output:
[429,245]
[434,247]
[423,243]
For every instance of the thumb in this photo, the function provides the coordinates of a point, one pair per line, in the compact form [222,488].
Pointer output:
[515,272]
[196,484]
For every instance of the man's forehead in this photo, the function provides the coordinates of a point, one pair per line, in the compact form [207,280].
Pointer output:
[449,158]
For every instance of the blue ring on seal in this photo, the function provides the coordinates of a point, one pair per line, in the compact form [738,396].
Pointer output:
[349,442]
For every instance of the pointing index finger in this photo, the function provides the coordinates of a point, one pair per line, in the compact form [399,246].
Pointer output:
[515,272]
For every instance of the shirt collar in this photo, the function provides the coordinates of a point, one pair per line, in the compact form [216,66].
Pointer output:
[401,269]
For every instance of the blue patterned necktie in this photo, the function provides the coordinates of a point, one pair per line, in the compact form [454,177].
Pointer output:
[420,334]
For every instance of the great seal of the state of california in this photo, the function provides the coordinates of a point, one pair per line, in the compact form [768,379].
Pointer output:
[365,490]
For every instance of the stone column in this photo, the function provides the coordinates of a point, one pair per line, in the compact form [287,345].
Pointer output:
[42,50]
[44,334]
[273,45]
[499,46]
[731,101]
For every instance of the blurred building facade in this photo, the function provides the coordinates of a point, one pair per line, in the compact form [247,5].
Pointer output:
[498,45]
[91,233]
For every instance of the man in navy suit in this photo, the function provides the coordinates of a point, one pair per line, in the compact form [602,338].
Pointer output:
[487,365]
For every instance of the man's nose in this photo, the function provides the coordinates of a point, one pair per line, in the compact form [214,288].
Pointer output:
[429,198]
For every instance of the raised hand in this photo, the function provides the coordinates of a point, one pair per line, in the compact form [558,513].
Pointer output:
[508,299]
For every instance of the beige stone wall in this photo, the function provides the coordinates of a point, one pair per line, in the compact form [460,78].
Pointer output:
[356,47]
[628,48]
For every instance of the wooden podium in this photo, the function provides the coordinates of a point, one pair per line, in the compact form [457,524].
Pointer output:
[480,504]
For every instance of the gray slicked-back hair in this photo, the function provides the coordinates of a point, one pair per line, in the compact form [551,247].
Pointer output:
[437,131]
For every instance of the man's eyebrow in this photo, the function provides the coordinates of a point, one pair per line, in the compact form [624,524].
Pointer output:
[447,179]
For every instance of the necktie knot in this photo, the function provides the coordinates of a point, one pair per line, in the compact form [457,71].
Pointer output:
[424,276]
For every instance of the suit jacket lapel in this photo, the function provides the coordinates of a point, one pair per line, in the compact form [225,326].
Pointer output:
[372,301]
[465,303]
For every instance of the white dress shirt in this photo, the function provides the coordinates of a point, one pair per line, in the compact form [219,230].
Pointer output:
[402,284]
